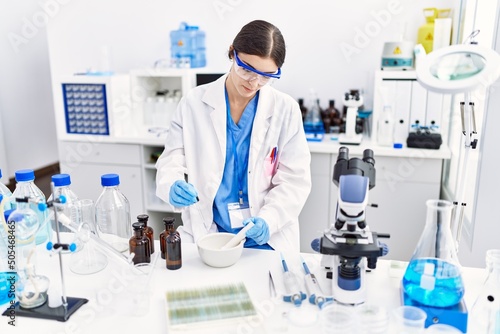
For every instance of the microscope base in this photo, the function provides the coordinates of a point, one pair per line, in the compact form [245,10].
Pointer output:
[45,312]
[352,140]
[455,315]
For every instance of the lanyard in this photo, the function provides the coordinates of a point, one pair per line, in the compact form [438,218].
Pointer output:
[235,151]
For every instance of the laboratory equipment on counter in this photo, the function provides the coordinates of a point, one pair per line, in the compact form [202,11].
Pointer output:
[148,231]
[238,237]
[397,56]
[94,105]
[462,68]
[313,124]
[31,290]
[316,295]
[293,293]
[112,212]
[187,47]
[349,247]
[433,280]
[172,245]
[485,312]
[424,137]
[87,259]
[62,183]
[139,244]
[169,223]
[26,187]
[352,102]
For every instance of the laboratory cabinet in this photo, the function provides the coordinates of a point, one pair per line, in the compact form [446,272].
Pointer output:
[404,182]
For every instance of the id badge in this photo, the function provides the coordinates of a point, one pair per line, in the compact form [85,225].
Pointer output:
[238,213]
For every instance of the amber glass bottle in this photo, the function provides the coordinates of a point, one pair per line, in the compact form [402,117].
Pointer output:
[148,231]
[139,244]
[170,240]
[169,224]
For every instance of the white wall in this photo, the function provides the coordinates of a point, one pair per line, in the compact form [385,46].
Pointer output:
[28,130]
[137,34]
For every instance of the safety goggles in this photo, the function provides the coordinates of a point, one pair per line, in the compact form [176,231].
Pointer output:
[248,73]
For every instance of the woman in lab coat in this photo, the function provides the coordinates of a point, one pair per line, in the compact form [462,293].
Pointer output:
[236,152]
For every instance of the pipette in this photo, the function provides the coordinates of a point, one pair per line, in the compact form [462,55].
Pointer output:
[292,288]
[316,296]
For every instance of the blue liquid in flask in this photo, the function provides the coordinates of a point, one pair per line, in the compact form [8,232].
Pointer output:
[433,282]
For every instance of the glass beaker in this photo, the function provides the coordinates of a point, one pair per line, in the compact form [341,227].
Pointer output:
[87,259]
[485,313]
[433,276]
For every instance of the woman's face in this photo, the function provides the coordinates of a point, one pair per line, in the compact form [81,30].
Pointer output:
[246,82]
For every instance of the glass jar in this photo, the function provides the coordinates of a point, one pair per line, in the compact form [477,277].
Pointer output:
[485,312]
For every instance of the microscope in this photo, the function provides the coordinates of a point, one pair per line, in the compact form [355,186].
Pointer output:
[349,247]
[352,101]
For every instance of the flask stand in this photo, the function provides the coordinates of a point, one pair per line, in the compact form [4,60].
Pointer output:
[455,315]
[70,304]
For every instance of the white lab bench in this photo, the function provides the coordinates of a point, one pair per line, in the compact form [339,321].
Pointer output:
[105,290]
[405,179]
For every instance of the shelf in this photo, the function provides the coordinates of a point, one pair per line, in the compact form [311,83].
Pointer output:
[158,207]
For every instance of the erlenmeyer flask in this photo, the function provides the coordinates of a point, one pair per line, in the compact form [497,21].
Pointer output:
[87,259]
[485,313]
[433,276]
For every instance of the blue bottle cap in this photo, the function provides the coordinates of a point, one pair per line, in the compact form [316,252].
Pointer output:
[61,180]
[398,145]
[7,213]
[110,180]
[0,173]
[25,175]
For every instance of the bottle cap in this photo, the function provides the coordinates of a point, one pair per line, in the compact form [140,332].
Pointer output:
[110,180]
[25,175]
[0,173]
[138,226]
[142,218]
[61,180]
[169,220]
[7,213]
[398,145]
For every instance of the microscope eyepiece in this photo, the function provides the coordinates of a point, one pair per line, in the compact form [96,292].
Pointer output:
[368,157]
[343,154]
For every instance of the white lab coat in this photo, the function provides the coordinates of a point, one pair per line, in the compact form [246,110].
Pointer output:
[196,145]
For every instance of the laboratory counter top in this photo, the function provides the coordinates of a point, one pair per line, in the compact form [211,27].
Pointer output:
[329,144]
[106,311]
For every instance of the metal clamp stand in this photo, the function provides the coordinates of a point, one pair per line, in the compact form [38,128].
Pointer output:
[69,304]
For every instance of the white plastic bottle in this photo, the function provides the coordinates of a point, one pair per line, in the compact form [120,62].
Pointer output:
[26,187]
[62,184]
[385,133]
[112,212]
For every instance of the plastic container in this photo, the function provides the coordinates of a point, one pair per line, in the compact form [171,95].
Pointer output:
[385,132]
[187,46]
[26,187]
[62,184]
[112,212]
[426,31]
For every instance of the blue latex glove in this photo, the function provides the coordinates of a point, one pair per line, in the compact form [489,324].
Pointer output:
[259,232]
[182,194]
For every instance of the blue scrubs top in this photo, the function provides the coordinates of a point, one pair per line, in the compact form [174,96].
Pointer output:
[237,152]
